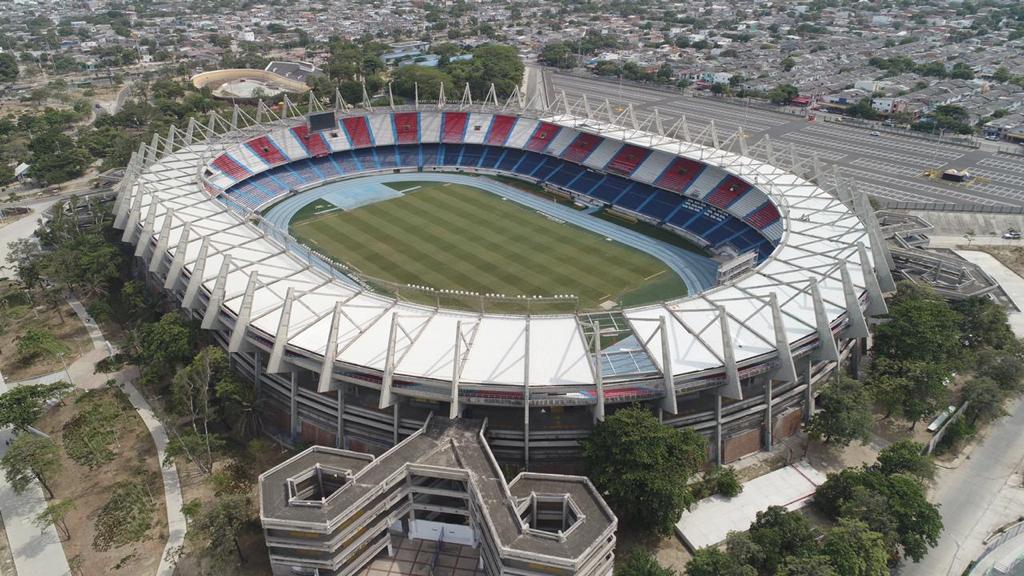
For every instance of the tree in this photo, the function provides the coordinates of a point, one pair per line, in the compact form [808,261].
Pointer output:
[788,63]
[1002,74]
[642,467]
[25,255]
[985,400]
[8,67]
[665,72]
[29,458]
[192,397]
[1005,367]
[217,527]
[853,549]
[21,406]
[408,79]
[558,54]
[491,63]
[817,565]
[892,505]
[163,346]
[55,513]
[983,323]
[781,534]
[783,94]
[38,342]
[846,414]
[915,389]
[713,562]
[906,457]
[643,563]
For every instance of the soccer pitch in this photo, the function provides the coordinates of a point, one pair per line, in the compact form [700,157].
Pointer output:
[457,237]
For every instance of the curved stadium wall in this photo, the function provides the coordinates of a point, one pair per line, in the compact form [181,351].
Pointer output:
[342,365]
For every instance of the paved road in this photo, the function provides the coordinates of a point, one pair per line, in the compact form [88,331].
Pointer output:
[888,166]
[983,491]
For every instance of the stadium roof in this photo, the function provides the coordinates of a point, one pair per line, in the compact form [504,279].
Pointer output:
[817,282]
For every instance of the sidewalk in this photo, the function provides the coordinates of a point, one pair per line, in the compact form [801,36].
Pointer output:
[36,552]
[82,373]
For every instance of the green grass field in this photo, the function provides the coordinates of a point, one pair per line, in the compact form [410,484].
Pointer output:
[452,236]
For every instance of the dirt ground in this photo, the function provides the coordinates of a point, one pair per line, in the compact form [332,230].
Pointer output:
[90,490]
[16,319]
[1011,256]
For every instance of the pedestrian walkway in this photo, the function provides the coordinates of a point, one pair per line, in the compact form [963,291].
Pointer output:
[82,375]
[1009,281]
[36,552]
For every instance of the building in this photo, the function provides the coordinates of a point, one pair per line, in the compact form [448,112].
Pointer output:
[329,511]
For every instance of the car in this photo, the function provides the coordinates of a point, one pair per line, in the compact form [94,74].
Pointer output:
[876,133]
[1011,235]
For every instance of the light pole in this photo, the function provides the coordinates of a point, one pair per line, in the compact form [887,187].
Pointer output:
[65,364]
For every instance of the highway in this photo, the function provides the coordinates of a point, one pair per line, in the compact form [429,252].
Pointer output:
[888,166]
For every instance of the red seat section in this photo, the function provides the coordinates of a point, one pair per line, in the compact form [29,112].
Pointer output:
[679,175]
[407,127]
[314,143]
[453,127]
[581,147]
[229,166]
[542,136]
[764,216]
[358,131]
[627,159]
[501,127]
[265,148]
[727,192]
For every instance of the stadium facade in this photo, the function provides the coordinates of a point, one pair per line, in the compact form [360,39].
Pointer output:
[347,367]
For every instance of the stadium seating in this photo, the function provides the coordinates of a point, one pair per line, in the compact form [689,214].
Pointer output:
[358,131]
[407,127]
[453,126]
[501,127]
[678,176]
[727,192]
[679,193]
[267,150]
[581,147]
[315,144]
[542,136]
[627,159]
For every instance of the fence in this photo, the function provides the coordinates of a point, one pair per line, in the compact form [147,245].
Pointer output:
[945,426]
[1004,537]
[946,207]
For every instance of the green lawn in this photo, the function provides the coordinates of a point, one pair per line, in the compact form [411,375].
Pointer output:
[453,236]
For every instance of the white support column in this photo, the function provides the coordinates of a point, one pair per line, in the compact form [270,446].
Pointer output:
[178,262]
[827,349]
[330,352]
[244,314]
[276,361]
[732,388]
[857,326]
[134,215]
[766,435]
[217,294]
[339,441]
[389,365]
[195,281]
[668,404]
[598,375]
[453,407]
[147,230]
[786,370]
[293,402]
[876,301]
[526,394]
[161,243]
[882,258]
[809,391]
[719,444]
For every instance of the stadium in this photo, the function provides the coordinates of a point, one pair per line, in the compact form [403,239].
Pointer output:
[531,267]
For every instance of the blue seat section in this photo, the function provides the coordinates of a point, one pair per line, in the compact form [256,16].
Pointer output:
[716,226]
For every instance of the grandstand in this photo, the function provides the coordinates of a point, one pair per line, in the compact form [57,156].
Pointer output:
[342,365]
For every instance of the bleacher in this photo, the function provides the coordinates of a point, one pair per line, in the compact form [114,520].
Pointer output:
[453,126]
[677,192]
[266,150]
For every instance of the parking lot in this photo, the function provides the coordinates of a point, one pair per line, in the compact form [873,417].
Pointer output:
[889,166]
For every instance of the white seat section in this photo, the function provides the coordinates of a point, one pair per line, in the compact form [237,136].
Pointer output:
[521,133]
[336,139]
[289,143]
[220,180]
[649,170]
[561,142]
[747,203]
[706,182]
[382,128]
[246,157]
[774,232]
[603,153]
[430,127]
[476,127]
